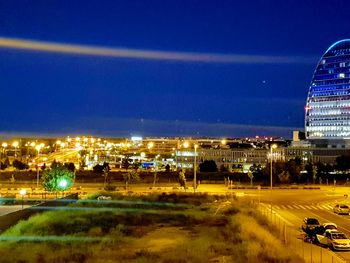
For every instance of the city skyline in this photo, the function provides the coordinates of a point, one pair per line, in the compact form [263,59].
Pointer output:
[227,70]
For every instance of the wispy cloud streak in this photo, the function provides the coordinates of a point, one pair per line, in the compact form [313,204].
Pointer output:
[43,46]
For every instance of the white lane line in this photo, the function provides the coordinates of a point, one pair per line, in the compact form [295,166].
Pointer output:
[308,207]
[290,207]
[295,207]
[327,207]
[314,207]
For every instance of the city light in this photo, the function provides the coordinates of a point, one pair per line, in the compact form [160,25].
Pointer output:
[150,145]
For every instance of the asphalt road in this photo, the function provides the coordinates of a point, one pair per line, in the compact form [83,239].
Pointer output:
[294,205]
[10,208]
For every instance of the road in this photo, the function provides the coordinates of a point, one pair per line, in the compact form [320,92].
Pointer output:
[294,205]
[10,208]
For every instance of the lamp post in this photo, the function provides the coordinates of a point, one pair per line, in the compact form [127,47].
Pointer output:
[15,145]
[273,146]
[22,192]
[195,168]
[38,147]
[4,145]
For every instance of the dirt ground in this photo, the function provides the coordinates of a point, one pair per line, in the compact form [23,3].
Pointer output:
[161,239]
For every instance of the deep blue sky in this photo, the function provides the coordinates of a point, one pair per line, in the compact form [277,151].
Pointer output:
[52,93]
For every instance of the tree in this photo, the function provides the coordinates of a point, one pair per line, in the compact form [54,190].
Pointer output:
[57,179]
[70,167]
[55,164]
[182,179]
[223,168]
[130,177]
[98,168]
[293,168]
[208,166]
[251,176]
[155,178]
[136,166]
[125,162]
[107,185]
[19,165]
[343,162]
[7,162]
[3,166]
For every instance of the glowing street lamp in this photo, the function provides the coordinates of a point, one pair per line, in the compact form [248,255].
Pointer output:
[15,145]
[272,147]
[150,145]
[186,144]
[22,192]
[4,145]
[38,147]
[195,168]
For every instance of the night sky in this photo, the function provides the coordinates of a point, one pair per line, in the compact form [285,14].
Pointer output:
[53,93]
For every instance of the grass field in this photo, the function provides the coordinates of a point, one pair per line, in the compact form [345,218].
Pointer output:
[146,228]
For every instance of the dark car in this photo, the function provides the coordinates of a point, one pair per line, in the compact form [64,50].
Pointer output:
[310,223]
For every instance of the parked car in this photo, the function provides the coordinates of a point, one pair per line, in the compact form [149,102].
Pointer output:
[103,197]
[334,239]
[341,209]
[329,226]
[310,223]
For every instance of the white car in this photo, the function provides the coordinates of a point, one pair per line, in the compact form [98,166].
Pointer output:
[341,209]
[329,226]
[102,197]
[334,239]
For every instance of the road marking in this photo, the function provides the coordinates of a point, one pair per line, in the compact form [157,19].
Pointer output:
[276,207]
[290,207]
[330,207]
[308,207]
[314,207]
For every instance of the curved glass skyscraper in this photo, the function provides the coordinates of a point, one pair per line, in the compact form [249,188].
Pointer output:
[327,111]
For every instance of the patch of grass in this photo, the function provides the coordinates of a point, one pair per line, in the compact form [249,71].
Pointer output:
[213,228]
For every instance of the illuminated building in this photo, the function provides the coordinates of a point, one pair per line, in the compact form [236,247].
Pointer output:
[327,111]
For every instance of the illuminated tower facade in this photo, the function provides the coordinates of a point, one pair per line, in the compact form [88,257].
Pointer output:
[327,111]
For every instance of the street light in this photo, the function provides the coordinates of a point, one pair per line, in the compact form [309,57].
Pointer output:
[15,144]
[195,168]
[38,147]
[4,145]
[150,145]
[22,192]
[273,146]
[186,145]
